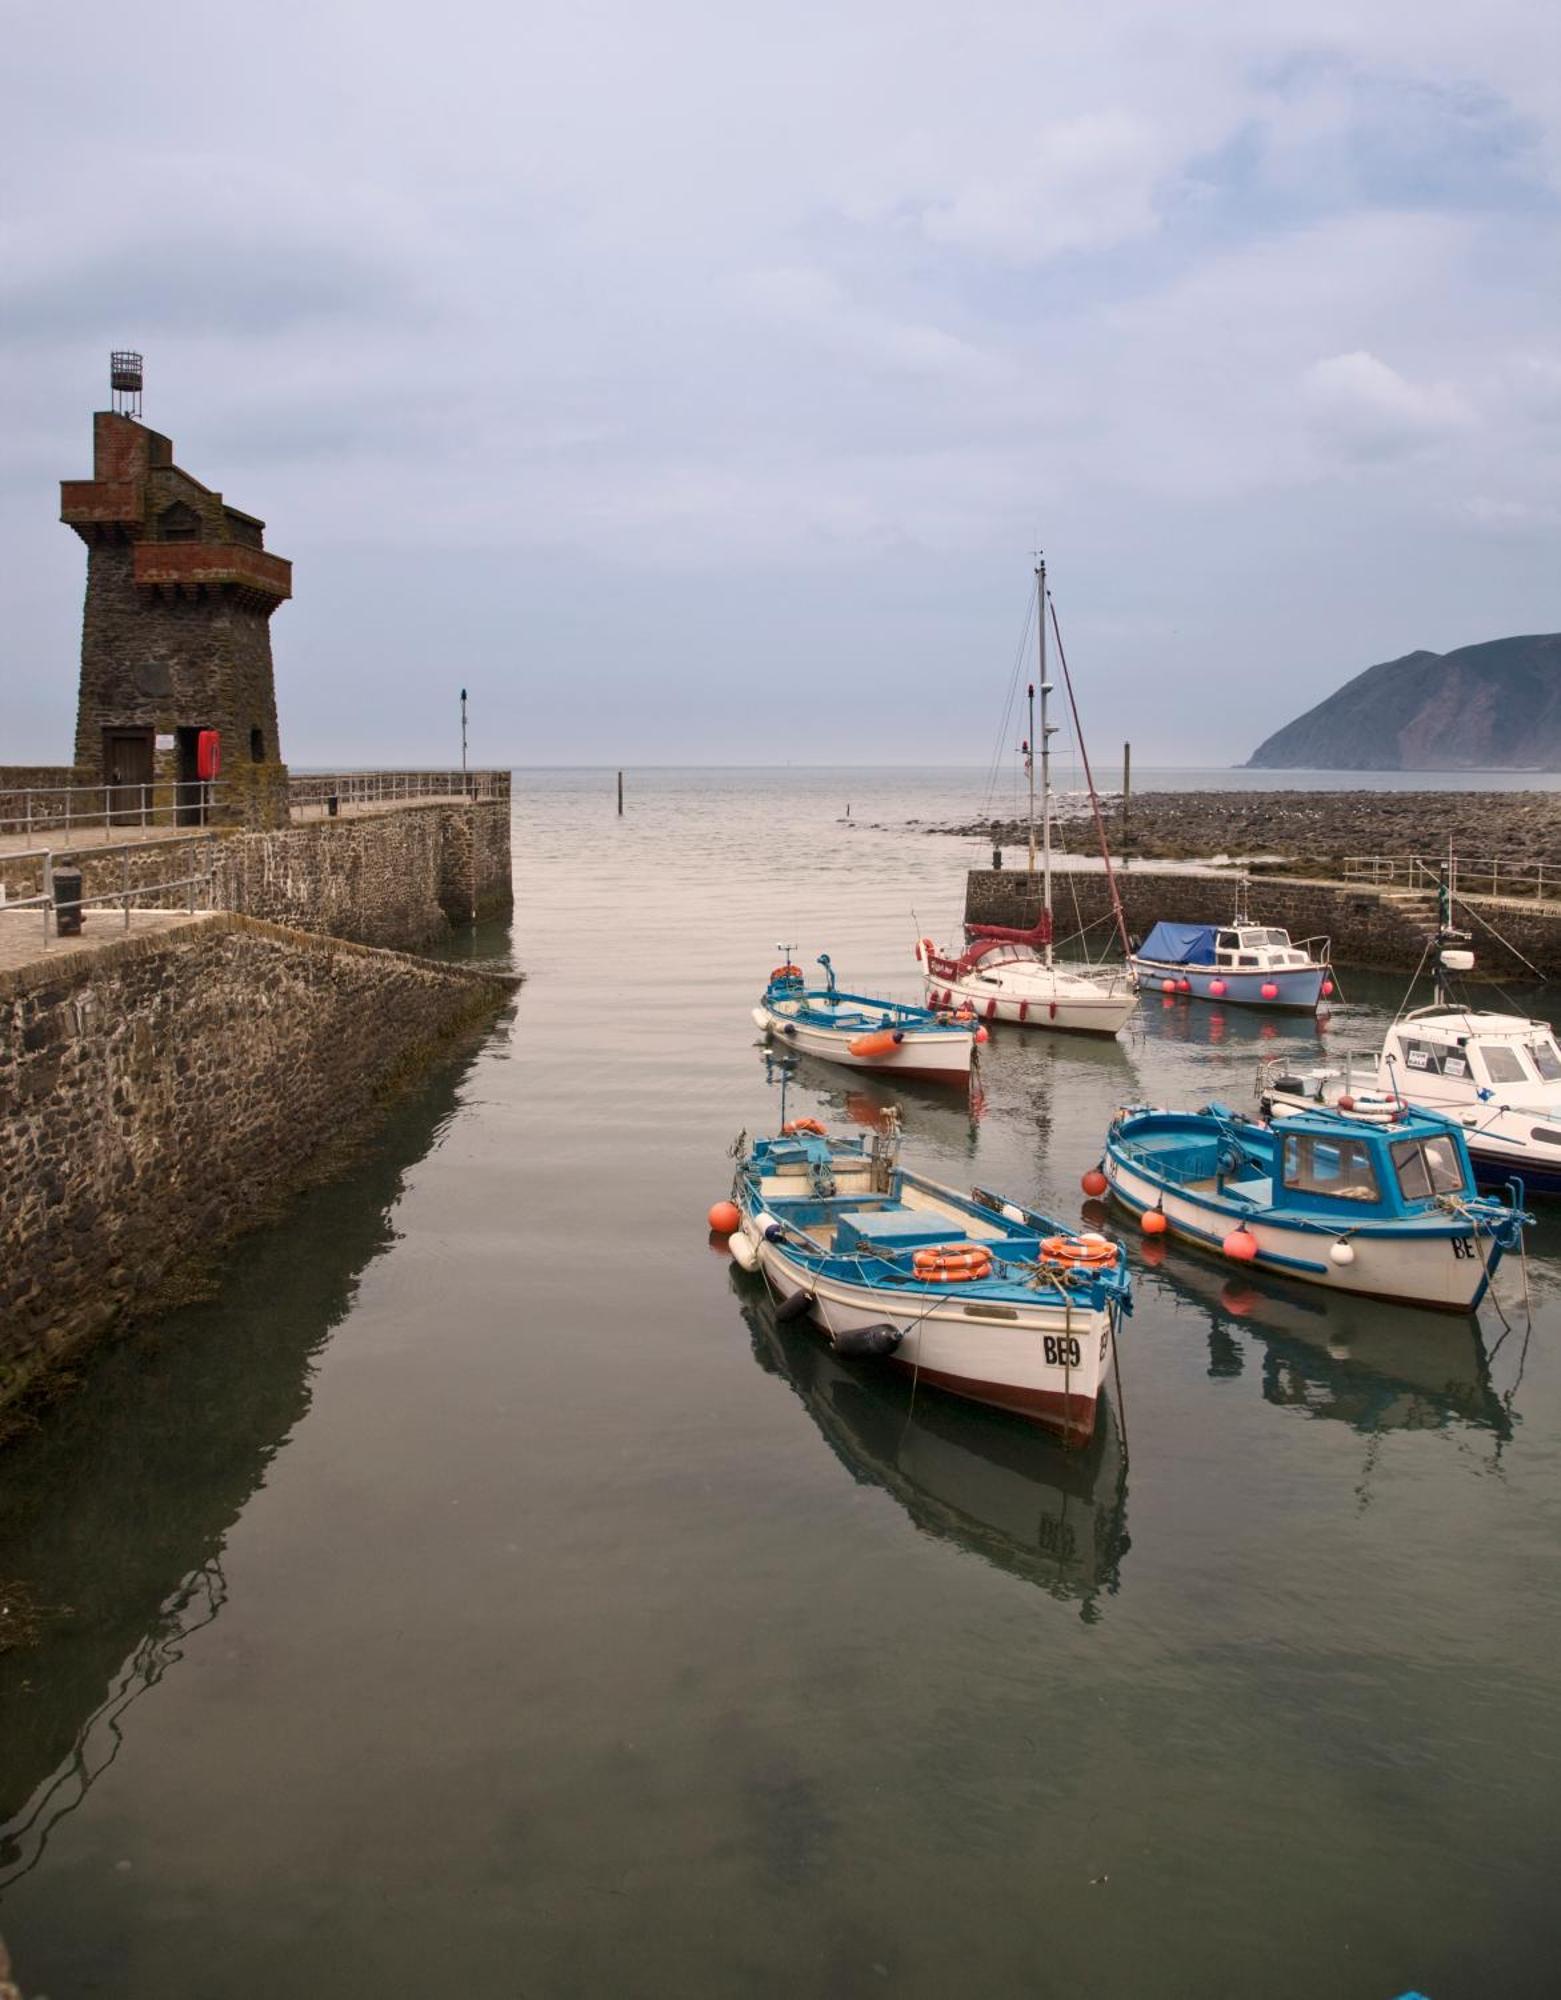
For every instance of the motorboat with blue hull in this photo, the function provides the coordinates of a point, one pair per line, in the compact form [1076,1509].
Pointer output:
[969,1293]
[861,1032]
[1240,964]
[1384,1212]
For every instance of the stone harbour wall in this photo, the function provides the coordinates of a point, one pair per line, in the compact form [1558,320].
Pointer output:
[1374,930]
[400,878]
[161,1094]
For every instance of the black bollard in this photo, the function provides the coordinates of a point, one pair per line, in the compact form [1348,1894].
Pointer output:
[67,902]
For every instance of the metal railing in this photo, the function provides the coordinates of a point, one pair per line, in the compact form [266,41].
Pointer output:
[197,886]
[73,808]
[1473,875]
[329,792]
[76,808]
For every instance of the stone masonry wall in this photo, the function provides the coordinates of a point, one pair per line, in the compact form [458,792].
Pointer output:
[399,878]
[159,1094]
[160,659]
[1369,930]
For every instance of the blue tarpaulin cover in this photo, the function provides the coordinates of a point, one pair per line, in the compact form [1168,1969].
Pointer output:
[1179,944]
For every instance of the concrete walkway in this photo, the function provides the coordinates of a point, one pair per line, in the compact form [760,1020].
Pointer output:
[22,938]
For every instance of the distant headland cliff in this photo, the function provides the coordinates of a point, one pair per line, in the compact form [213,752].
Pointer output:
[1490,707]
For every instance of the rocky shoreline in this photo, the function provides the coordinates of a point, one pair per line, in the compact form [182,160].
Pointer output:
[1307,832]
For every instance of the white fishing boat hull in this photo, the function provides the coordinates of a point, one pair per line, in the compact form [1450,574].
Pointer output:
[932,1055]
[1067,1002]
[1430,1267]
[1049,1363]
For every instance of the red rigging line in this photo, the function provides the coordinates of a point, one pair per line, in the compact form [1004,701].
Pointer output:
[1089,779]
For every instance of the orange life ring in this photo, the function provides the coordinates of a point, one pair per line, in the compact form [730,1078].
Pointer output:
[955,1265]
[790,1131]
[1089,1252]
[785,972]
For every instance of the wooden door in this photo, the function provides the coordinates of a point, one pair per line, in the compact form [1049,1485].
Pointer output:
[127,770]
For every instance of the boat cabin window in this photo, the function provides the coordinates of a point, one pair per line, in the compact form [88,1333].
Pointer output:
[1338,1167]
[1546,1058]
[1281,938]
[1427,1059]
[1227,941]
[1427,1167]
[1503,1065]
[1545,1135]
[1247,958]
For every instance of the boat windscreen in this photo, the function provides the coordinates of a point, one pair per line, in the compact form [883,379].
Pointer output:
[1332,1166]
[1546,1058]
[1427,1167]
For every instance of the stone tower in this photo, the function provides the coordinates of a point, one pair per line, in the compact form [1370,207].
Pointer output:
[176,636]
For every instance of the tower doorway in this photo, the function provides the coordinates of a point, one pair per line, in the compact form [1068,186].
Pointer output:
[128,772]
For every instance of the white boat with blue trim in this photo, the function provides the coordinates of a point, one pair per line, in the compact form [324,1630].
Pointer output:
[890,1036]
[1241,963]
[1388,1212]
[972,1294]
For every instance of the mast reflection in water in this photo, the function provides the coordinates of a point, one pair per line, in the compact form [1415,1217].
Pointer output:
[114,1513]
[988,1482]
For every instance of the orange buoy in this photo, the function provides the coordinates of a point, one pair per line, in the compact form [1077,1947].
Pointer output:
[1152,1222]
[1094,1182]
[1269,990]
[1327,989]
[868,1048]
[1167,985]
[795,1125]
[1216,989]
[725,1217]
[982,1037]
[1346,1102]
[1240,1244]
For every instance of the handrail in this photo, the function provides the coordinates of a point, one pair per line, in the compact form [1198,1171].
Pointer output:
[1509,875]
[53,808]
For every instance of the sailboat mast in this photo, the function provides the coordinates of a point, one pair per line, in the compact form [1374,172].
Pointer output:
[1029,771]
[1046,759]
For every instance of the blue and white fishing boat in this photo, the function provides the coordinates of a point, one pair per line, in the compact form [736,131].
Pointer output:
[1386,1212]
[1242,963]
[971,1294]
[863,1033]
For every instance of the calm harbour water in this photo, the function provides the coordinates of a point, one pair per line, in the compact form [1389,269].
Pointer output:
[483,1596]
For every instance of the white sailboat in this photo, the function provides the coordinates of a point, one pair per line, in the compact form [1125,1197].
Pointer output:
[1013,975]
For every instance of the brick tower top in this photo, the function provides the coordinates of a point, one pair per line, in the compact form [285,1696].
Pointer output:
[185,534]
[176,634]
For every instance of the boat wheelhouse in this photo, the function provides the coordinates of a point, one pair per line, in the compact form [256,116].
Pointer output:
[969,1293]
[1245,964]
[1388,1212]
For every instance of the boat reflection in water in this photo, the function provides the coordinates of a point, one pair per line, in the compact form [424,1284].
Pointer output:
[927,1110]
[1375,1367]
[963,1473]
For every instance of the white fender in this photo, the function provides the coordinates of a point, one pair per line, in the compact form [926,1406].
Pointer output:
[743,1252]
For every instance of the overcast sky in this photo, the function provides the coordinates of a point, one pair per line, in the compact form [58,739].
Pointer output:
[692,381]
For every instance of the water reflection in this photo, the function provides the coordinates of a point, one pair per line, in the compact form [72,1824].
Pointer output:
[1375,1368]
[987,1481]
[857,1097]
[114,1512]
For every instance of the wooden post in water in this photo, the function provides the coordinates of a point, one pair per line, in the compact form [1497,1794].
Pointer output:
[620,795]
[1127,785]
